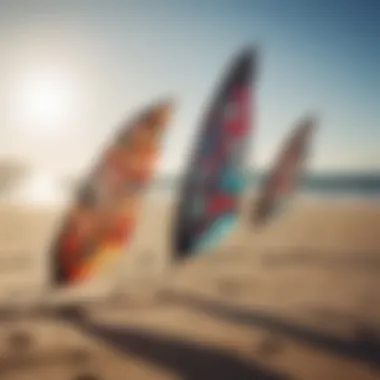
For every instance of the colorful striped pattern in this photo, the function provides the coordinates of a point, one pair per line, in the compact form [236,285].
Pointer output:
[103,219]
[211,189]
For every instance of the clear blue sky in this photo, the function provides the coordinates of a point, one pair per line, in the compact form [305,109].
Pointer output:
[317,56]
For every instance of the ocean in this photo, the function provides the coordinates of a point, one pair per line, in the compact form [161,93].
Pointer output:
[332,185]
[339,187]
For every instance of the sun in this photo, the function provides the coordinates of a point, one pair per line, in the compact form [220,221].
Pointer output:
[46,101]
[43,98]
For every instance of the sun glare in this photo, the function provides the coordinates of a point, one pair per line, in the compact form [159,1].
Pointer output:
[46,101]
[43,98]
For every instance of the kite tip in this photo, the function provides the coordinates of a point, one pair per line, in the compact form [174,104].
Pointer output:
[250,51]
[247,61]
[165,105]
[311,120]
[169,101]
[160,111]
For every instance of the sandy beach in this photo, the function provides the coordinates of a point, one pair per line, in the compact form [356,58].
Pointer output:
[296,300]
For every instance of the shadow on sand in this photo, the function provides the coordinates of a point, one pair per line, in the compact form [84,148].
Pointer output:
[34,360]
[365,347]
[190,360]
[339,260]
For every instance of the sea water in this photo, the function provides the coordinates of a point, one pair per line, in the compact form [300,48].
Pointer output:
[338,186]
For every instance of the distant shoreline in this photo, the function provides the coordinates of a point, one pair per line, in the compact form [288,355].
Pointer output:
[325,186]
[338,187]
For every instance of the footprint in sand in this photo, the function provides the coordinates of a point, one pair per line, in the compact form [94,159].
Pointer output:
[80,356]
[270,347]
[20,341]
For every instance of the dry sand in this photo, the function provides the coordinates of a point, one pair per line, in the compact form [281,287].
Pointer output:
[296,300]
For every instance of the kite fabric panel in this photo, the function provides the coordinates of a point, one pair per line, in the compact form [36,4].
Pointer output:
[284,179]
[103,218]
[214,180]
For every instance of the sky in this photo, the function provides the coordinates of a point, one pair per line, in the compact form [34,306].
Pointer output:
[72,71]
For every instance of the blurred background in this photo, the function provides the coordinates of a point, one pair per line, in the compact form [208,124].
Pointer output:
[72,71]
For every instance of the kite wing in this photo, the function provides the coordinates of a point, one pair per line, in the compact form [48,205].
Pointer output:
[214,181]
[283,180]
[102,219]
